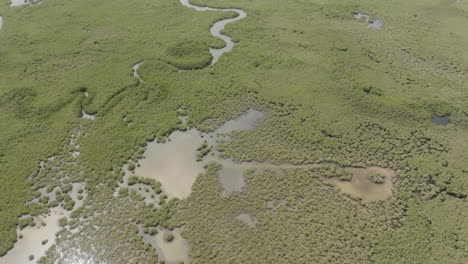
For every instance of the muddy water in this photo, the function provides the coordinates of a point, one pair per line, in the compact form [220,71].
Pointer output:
[144,190]
[247,219]
[441,120]
[84,114]
[31,243]
[45,229]
[360,16]
[173,163]
[18,3]
[242,123]
[135,71]
[232,179]
[174,252]
[362,187]
[218,27]
[377,24]
[87,116]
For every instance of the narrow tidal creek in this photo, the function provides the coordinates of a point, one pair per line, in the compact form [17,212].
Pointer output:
[218,27]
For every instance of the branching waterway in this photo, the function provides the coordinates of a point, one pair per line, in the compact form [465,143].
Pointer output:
[218,27]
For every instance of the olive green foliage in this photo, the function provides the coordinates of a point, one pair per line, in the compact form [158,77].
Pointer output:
[299,226]
[26,221]
[333,89]
[42,88]
[188,55]
[155,185]
[115,234]
[376,177]
[168,237]
[131,166]
[203,150]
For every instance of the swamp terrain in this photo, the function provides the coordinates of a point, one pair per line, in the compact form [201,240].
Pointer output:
[216,131]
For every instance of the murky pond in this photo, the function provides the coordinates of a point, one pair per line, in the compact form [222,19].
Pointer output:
[232,179]
[441,120]
[244,122]
[362,187]
[173,163]
[36,240]
[218,27]
[247,219]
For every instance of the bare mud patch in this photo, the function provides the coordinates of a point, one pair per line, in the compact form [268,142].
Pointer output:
[363,187]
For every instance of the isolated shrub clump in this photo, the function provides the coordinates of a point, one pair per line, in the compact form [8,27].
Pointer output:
[376,177]
[187,55]
[203,150]
[168,237]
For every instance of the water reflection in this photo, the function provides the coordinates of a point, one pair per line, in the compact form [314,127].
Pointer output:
[441,120]
[36,240]
[174,163]
[218,27]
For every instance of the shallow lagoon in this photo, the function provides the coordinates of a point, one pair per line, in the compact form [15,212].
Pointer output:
[31,243]
[174,163]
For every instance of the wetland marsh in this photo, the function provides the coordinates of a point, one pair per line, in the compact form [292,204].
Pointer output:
[195,131]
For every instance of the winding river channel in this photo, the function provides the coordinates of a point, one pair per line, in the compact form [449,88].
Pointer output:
[218,27]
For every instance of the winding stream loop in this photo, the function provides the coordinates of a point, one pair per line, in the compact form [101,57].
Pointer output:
[218,27]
